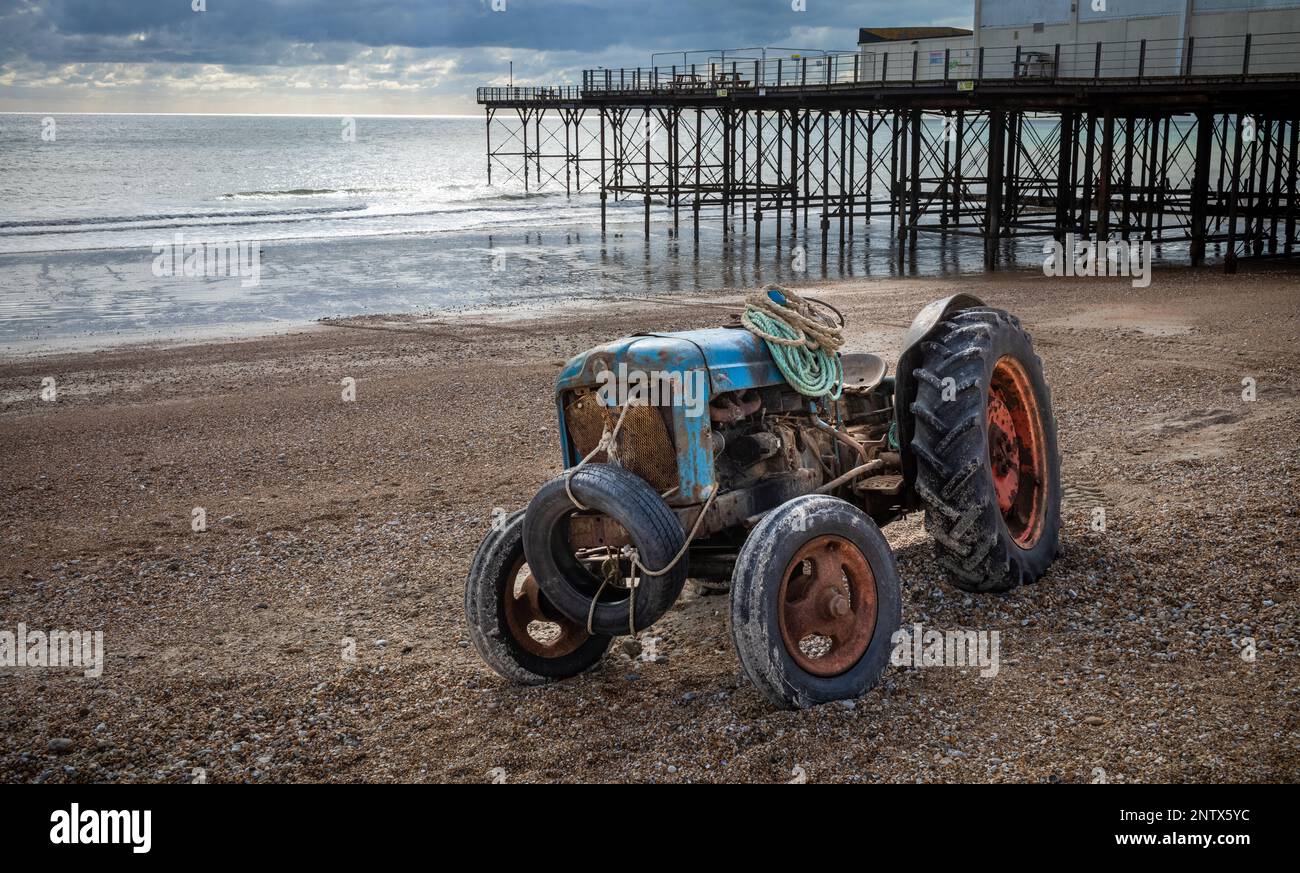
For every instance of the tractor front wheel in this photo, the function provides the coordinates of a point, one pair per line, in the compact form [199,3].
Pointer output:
[516,630]
[988,469]
[815,600]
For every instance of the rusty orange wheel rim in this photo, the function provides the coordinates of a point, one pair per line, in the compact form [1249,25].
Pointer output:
[827,606]
[1017,451]
[536,626]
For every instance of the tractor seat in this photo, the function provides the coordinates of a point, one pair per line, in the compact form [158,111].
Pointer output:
[862,370]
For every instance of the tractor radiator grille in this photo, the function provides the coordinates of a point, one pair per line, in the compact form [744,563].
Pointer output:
[644,446]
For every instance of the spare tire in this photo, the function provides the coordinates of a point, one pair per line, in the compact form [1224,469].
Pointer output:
[570,584]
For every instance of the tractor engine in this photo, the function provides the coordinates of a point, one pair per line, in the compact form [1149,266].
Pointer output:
[753,447]
[767,432]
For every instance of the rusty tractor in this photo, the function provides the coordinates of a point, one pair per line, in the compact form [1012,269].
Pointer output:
[730,476]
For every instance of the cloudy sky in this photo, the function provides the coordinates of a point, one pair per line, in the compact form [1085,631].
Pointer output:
[380,56]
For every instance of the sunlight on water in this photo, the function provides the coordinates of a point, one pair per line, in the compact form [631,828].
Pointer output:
[401,220]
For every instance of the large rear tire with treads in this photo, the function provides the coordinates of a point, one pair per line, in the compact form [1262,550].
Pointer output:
[988,467]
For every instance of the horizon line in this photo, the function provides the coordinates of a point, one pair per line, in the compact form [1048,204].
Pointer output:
[250,114]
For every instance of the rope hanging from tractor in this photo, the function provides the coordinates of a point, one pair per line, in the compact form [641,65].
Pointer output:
[803,342]
[610,570]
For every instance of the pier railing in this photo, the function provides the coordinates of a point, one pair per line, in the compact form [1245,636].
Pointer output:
[530,94]
[1245,55]
[1248,55]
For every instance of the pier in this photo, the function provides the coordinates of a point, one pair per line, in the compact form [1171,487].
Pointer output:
[1171,141]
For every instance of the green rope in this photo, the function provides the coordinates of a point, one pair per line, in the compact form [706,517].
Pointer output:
[812,371]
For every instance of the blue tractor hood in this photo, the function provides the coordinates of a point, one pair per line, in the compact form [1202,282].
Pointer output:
[734,358]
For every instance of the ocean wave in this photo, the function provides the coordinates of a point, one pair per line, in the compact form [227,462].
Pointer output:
[483,193]
[84,222]
[623,214]
[302,192]
[285,216]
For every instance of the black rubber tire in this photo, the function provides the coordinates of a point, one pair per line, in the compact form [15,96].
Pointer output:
[652,527]
[951,444]
[485,587]
[755,588]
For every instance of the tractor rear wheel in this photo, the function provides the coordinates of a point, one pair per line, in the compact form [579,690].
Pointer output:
[516,630]
[815,601]
[988,468]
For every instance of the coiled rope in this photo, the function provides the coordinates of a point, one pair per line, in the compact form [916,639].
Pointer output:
[803,342]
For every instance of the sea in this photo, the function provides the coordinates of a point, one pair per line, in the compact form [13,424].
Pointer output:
[395,215]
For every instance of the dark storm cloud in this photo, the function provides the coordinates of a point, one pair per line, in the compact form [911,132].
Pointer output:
[382,56]
[318,31]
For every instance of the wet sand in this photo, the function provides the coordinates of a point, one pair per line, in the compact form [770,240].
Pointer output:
[105,297]
[329,520]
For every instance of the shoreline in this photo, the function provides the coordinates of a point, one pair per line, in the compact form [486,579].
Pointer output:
[230,334]
[71,299]
[527,309]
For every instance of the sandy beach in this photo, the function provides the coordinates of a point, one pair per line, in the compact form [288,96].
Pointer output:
[228,650]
